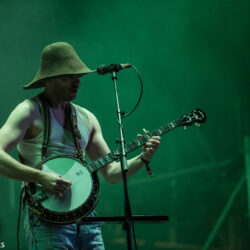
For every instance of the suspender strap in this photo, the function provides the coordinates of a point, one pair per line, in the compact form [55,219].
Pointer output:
[44,108]
[76,132]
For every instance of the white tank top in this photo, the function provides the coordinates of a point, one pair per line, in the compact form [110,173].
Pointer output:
[61,142]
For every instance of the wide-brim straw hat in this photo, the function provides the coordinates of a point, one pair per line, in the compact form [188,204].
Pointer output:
[58,59]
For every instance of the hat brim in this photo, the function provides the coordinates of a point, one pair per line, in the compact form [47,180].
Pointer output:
[40,83]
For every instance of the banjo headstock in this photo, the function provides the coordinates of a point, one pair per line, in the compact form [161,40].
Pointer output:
[196,116]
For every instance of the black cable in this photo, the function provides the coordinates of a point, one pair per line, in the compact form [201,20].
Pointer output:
[139,99]
[19,216]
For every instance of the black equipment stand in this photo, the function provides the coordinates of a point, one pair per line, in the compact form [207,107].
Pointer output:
[128,218]
[127,223]
[121,219]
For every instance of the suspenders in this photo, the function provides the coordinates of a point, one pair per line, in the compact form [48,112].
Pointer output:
[44,108]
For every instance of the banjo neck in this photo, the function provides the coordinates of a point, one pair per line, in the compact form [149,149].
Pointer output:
[129,147]
[197,115]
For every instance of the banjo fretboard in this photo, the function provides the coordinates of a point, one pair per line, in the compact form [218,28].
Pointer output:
[131,146]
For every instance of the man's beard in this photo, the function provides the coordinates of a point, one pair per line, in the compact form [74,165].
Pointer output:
[71,96]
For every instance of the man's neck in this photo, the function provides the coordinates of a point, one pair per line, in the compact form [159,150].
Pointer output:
[54,102]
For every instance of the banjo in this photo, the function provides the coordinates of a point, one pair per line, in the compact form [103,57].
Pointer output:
[82,196]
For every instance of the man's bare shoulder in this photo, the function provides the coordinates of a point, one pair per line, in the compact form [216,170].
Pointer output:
[29,107]
[18,124]
[26,110]
[83,110]
[88,117]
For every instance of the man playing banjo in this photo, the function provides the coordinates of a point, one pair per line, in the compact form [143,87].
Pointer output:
[25,128]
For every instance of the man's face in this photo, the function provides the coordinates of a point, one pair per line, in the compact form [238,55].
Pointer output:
[65,87]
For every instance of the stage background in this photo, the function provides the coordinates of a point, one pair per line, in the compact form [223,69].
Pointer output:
[190,54]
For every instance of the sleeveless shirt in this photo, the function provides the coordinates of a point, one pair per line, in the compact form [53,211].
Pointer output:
[61,142]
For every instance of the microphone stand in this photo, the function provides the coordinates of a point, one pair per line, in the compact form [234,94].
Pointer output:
[124,169]
[128,219]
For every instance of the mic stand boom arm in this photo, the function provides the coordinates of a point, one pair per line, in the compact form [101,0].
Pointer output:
[124,169]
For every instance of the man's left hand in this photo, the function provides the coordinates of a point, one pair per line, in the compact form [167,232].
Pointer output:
[150,147]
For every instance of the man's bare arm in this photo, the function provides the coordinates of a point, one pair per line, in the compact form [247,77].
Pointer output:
[11,134]
[97,147]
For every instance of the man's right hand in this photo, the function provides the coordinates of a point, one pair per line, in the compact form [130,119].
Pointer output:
[54,183]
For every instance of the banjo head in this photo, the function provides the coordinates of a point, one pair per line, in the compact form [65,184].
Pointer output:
[78,201]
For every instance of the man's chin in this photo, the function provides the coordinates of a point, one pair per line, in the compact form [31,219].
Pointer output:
[71,97]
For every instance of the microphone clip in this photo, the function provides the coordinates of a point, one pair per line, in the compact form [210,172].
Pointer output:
[103,69]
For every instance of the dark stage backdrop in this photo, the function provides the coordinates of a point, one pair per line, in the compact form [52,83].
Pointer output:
[190,53]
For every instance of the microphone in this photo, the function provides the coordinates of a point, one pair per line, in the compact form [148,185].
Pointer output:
[103,69]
